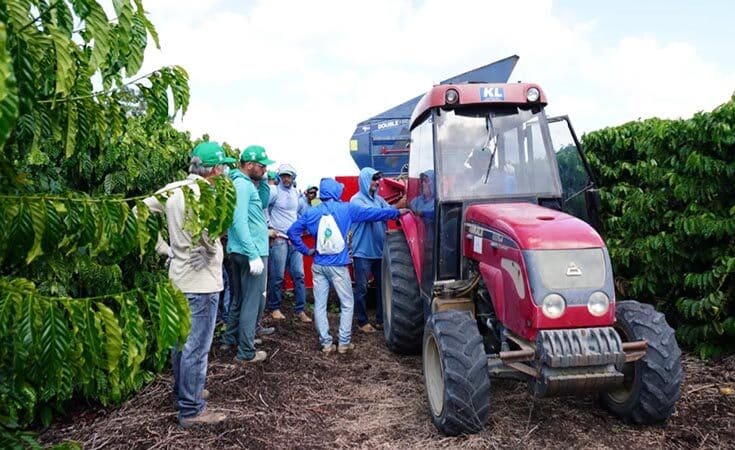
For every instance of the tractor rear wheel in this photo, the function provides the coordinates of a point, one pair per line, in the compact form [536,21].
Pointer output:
[652,385]
[455,373]
[403,314]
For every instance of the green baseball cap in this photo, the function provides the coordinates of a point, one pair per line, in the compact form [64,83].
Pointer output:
[211,154]
[255,153]
[271,174]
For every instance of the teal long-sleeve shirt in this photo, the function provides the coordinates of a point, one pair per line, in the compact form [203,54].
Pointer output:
[248,234]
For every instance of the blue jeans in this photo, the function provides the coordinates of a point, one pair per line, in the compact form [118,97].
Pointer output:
[226,295]
[190,363]
[339,277]
[283,255]
[362,268]
[246,307]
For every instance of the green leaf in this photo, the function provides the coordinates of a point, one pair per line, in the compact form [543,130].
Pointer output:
[65,69]
[113,336]
[8,90]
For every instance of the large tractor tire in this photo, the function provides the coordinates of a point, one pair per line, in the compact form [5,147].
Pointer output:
[403,314]
[652,385]
[456,373]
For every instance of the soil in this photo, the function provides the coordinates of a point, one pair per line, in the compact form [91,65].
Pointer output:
[371,398]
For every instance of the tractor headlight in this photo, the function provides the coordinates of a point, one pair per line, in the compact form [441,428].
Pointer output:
[451,96]
[598,303]
[553,306]
[532,95]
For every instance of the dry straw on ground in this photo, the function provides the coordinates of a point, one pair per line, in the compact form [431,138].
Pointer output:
[373,399]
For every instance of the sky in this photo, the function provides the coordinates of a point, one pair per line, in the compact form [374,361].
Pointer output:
[297,76]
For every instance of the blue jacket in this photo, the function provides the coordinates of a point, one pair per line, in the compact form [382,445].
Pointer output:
[344,215]
[248,234]
[368,237]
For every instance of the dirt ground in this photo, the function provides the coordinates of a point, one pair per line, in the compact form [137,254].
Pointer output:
[299,398]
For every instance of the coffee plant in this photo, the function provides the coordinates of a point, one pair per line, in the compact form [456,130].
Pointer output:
[669,219]
[86,307]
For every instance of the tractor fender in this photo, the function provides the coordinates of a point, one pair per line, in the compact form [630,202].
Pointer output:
[493,279]
[410,225]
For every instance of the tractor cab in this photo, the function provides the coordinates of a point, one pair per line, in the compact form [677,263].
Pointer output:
[480,144]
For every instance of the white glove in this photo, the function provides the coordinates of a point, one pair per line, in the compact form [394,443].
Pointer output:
[256,266]
[198,258]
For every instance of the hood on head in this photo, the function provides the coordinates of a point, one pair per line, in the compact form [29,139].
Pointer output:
[365,178]
[430,175]
[330,189]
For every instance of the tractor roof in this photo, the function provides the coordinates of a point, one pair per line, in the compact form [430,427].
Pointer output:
[477,93]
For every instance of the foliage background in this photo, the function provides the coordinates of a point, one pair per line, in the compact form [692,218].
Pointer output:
[86,307]
[668,215]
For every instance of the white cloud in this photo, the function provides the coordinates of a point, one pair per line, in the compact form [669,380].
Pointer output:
[298,76]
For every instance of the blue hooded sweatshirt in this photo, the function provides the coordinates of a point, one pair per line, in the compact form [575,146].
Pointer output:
[344,215]
[368,237]
[248,234]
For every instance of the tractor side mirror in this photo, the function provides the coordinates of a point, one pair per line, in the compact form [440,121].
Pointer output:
[592,197]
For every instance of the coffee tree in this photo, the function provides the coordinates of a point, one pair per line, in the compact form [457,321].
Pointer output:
[86,307]
[669,219]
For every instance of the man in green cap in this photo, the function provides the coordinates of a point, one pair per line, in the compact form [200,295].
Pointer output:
[247,247]
[196,269]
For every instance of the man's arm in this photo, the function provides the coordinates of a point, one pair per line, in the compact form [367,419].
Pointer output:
[240,222]
[362,214]
[156,207]
[294,235]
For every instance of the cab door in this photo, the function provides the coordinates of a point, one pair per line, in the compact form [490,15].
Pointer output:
[580,196]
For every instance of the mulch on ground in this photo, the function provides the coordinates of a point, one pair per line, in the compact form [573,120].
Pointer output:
[300,398]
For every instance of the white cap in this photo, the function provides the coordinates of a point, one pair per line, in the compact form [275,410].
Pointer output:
[286,169]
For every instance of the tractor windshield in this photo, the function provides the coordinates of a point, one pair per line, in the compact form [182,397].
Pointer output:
[498,153]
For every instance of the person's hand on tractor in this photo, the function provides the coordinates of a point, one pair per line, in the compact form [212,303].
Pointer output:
[402,203]
[403,211]
[256,266]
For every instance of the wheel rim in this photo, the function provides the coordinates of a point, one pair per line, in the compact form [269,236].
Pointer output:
[624,391]
[387,292]
[434,377]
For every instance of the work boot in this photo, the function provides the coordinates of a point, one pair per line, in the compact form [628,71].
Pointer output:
[342,349]
[258,341]
[206,417]
[277,315]
[264,331]
[303,317]
[367,328]
[327,349]
[260,355]
[226,347]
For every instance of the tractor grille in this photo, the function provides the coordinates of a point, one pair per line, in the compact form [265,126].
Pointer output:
[579,347]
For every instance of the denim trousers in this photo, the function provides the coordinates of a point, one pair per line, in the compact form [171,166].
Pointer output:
[362,268]
[225,296]
[190,362]
[339,277]
[246,307]
[283,255]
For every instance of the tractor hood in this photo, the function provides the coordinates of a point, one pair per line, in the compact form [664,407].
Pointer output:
[534,227]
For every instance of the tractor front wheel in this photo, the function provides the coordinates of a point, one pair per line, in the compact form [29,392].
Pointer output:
[455,373]
[652,385]
[403,314]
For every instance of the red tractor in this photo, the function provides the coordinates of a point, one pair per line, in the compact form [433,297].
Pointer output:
[498,271]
